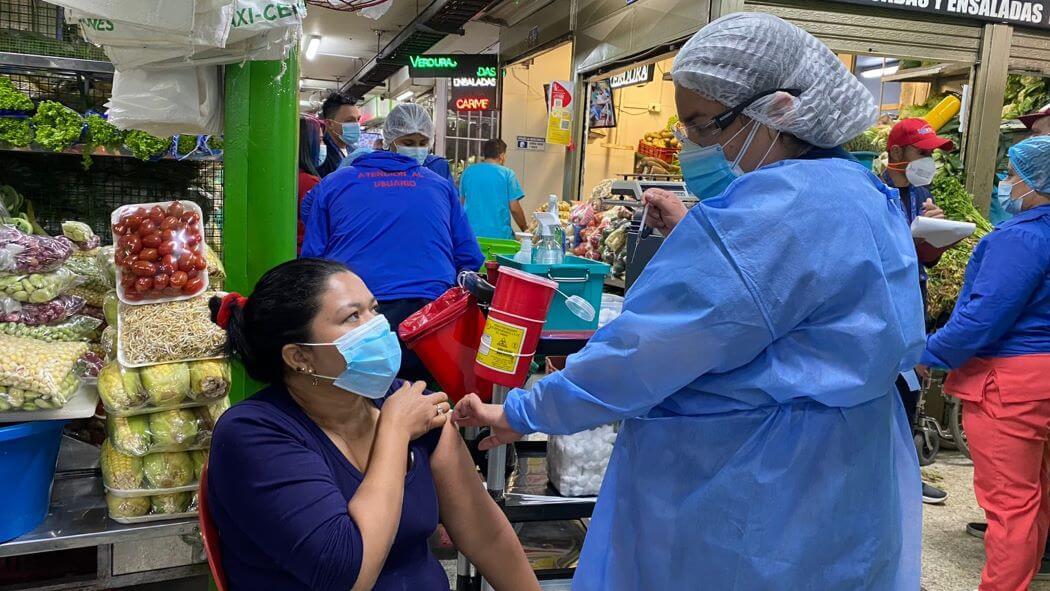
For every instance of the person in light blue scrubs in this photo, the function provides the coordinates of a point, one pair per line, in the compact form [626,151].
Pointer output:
[491,193]
[763,444]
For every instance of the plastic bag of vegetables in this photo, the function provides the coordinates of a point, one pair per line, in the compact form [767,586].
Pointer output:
[209,379]
[128,475]
[14,398]
[25,253]
[107,265]
[168,332]
[75,328]
[81,234]
[85,264]
[39,367]
[149,508]
[37,288]
[173,430]
[51,312]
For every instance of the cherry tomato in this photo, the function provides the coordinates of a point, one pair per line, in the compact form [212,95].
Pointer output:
[161,281]
[167,235]
[134,221]
[149,254]
[143,284]
[200,263]
[178,279]
[170,260]
[118,257]
[131,243]
[169,223]
[156,214]
[148,227]
[193,239]
[191,218]
[186,262]
[144,268]
[176,209]
[193,273]
[167,247]
[118,228]
[166,269]
[132,296]
[198,249]
[152,240]
[193,285]
[127,281]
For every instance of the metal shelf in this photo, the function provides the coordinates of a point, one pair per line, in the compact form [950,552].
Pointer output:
[78,150]
[47,62]
[530,478]
[929,73]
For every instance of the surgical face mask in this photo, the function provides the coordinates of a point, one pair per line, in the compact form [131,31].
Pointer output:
[351,133]
[418,152]
[322,154]
[921,172]
[1006,201]
[706,170]
[373,358]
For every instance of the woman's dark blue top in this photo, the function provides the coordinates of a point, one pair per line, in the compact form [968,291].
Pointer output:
[278,490]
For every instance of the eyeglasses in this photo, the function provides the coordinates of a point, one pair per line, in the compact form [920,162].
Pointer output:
[701,134]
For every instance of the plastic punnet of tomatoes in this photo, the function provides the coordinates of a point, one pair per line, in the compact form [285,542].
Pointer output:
[159,252]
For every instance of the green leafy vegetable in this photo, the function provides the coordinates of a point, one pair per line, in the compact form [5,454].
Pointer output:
[57,126]
[215,142]
[1024,94]
[187,144]
[946,278]
[144,145]
[12,99]
[15,132]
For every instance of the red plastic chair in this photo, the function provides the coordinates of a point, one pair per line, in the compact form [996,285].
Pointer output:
[210,533]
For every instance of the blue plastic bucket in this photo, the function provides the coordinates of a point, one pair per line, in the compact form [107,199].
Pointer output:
[28,456]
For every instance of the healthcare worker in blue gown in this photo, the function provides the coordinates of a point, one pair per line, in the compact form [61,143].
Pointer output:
[763,445]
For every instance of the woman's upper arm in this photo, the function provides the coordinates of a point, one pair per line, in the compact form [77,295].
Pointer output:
[462,497]
[281,495]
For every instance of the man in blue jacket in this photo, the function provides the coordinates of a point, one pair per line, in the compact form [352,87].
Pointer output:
[395,223]
[342,128]
[911,168]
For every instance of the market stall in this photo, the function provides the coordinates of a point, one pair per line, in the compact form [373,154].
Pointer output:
[120,203]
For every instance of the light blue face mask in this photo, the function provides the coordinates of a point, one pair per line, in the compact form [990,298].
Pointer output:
[420,153]
[351,133]
[373,358]
[1006,201]
[322,154]
[706,171]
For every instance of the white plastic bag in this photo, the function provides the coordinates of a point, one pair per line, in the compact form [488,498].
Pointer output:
[172,16]
[183,101]
[576,463]
[210,29]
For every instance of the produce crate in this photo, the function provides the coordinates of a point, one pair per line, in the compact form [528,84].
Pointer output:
[665,154]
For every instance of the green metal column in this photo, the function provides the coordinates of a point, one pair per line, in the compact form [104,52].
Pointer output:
[259,183]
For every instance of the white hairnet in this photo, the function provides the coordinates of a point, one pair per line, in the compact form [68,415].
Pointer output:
[406,119]
[1031,160]
[741,55]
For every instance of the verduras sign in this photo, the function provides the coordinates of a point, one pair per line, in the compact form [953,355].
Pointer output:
[1014,12]
[453,66]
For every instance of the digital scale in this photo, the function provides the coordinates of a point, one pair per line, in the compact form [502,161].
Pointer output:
[628,193]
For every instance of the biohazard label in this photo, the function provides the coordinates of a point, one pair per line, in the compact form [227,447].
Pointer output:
[501,345]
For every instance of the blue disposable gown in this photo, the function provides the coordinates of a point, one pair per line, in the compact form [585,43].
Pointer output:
[764,445]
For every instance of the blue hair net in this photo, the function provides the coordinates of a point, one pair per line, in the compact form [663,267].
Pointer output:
[1031,160]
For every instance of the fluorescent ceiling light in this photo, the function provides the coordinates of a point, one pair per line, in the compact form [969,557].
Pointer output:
[312,45]
[879,72]
[404,96]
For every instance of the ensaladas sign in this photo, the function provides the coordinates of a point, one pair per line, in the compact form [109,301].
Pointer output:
[1013,12]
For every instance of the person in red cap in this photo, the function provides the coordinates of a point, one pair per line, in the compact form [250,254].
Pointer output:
[911,169]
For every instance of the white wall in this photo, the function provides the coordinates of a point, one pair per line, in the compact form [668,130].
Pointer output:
[614,154]
[525,113]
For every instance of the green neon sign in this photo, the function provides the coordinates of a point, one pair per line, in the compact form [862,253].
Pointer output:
[453,66]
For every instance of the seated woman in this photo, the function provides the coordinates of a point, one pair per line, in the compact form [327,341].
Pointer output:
[334,476]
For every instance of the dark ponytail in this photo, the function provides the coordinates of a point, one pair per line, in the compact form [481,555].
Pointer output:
[278,313]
